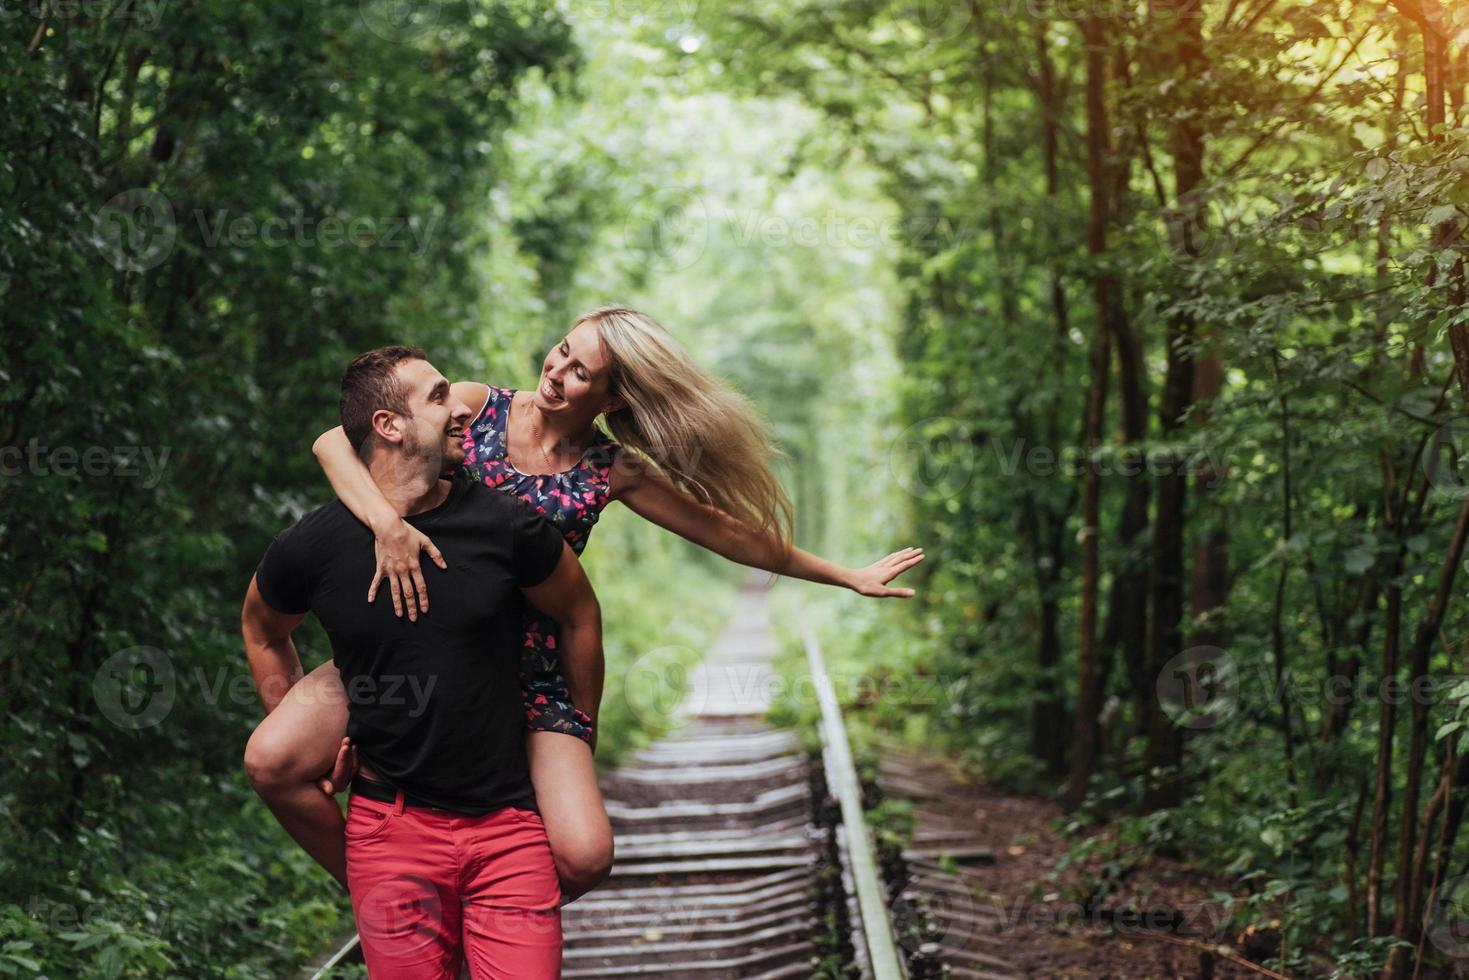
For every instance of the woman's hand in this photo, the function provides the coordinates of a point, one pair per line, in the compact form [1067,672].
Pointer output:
[397,548]
[873,580]
[342,770]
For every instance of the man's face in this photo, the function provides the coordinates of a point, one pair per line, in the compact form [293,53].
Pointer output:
[435,431]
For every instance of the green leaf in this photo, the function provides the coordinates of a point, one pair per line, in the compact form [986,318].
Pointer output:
[1442,213]
[1358,560]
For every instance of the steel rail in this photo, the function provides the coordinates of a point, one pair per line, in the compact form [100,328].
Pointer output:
[855,843]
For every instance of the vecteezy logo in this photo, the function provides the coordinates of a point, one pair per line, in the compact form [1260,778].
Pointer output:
[404,909]
[933,458]
[1446,917]
[937,21]
[401,21]
[657,685]
[1443,457]
[1198,688]
[135,688]
[135,231]
[669,229]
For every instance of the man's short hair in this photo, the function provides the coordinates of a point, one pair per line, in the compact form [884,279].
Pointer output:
[371,383]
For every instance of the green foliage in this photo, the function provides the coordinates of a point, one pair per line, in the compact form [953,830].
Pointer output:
[852,210]
[1323,267]
[205,885]
[207,213]
[204,318]
[893,822]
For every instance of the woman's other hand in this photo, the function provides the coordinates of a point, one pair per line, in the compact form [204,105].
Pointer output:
[873,580]
[343,770]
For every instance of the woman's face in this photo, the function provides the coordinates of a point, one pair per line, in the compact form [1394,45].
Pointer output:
[576,375]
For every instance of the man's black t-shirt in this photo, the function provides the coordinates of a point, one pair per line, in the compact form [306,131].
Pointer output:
[433,706]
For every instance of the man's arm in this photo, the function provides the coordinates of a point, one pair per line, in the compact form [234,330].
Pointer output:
[274,663]
[567,597]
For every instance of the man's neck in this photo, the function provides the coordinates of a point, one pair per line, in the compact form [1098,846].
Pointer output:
[409,485]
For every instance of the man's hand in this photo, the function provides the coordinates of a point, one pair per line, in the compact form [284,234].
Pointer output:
[343,770]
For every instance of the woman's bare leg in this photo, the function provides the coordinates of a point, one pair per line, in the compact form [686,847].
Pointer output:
[571,807]
[290,750]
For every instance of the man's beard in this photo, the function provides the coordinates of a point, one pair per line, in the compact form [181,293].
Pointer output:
[431,456]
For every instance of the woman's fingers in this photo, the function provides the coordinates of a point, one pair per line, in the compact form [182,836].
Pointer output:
[420,589]
[336,780]
[435,554]
[346,766]
[888,592]
[899,567]
[406,584]
[410,597]
[397,591]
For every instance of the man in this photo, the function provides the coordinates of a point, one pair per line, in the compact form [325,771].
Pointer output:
[445,848]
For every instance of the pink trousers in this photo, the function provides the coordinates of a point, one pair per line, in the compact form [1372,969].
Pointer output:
[429,885]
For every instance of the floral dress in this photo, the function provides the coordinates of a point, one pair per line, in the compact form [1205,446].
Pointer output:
[572,500]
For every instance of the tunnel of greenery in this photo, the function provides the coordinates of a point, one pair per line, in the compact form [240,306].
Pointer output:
[1146,320]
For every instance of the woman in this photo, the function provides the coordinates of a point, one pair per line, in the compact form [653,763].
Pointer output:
[710,482]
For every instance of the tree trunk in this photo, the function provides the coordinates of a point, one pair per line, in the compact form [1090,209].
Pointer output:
[1210,582]
[1083,745]
[1409,891]
[1049,716]
[1164,755]
[1127,608]
[1406,922]
[1386,725]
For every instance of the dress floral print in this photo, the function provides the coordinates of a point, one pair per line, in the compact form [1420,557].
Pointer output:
[572,500]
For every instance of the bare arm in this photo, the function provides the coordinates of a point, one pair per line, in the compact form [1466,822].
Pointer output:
[350,480]
[398,542]
[567,597]
[274,663]
[653,496]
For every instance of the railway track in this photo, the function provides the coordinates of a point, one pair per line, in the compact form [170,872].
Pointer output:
[721,855]
[942,865]
[716,838]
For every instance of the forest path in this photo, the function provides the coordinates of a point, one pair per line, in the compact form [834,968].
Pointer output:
[980,867]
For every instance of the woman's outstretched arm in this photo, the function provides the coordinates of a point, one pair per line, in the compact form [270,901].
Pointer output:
[651,495]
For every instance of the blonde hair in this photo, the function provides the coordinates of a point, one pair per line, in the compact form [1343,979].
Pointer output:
[708,438]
